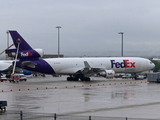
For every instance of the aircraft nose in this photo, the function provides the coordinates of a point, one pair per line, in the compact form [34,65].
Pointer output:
[152,66]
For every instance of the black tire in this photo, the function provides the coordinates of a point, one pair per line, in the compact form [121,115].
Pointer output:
[75,79]
[69,78]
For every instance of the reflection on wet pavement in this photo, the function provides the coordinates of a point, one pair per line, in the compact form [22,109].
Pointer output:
[56,95]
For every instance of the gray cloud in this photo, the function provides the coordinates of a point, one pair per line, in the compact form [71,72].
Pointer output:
[89,27]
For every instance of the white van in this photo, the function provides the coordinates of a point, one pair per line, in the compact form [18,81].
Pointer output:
[22,77]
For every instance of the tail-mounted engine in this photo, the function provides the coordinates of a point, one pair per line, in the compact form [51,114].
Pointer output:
[23,54]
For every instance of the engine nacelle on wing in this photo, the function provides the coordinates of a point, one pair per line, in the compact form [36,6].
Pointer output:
[34,53]
[107,73]
[27,72]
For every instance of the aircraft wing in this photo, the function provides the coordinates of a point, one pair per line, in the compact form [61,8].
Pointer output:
[7,69]
[88,70]
[5,65]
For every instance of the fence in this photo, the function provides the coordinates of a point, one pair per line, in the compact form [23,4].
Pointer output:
[10,115]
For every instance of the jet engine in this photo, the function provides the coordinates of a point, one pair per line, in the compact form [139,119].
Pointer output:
[107,73]
[34,53]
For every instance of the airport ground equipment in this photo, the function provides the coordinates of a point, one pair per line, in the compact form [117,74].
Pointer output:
[3,105]
[3,78]
[14,78]
[153,77]
[17,78]
[127,76]
[6,49]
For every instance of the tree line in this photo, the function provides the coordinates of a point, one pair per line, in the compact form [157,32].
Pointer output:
[157,66]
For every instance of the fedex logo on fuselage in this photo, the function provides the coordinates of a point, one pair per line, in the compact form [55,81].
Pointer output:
[124,64]
[26,54]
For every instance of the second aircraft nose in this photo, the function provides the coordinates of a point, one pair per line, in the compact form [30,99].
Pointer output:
[153,65]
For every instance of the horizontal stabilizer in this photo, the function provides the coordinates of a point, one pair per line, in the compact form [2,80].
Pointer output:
[28,64]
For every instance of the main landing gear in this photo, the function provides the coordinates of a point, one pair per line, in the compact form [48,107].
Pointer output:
[77,78]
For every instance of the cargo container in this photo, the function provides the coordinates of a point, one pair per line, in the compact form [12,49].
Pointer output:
[153,77]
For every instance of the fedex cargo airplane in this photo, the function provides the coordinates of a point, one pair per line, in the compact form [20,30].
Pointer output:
[77,68]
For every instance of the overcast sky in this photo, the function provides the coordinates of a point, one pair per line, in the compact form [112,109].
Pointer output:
[89,27]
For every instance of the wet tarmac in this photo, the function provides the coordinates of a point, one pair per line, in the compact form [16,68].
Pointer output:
[99,97]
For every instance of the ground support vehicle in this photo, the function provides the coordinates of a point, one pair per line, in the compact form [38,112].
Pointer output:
[14,78]
[3,78]
[17,78]
[3,105]
[22,77]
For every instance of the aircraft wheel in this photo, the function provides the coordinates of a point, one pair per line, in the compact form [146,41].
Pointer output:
[75,79]
[82,79]
[69,78]
[87,79]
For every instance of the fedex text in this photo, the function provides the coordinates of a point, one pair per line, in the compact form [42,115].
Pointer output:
[26,54]
[123,64]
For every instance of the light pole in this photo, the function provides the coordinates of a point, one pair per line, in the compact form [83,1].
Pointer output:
[122,43]
[58,40]
[7,38]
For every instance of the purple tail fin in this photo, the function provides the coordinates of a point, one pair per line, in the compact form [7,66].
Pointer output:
[24,45]
[25,50]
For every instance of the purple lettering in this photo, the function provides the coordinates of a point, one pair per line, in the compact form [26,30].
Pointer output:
[124,64]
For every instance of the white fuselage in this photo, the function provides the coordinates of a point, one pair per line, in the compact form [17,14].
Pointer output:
[118,64]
